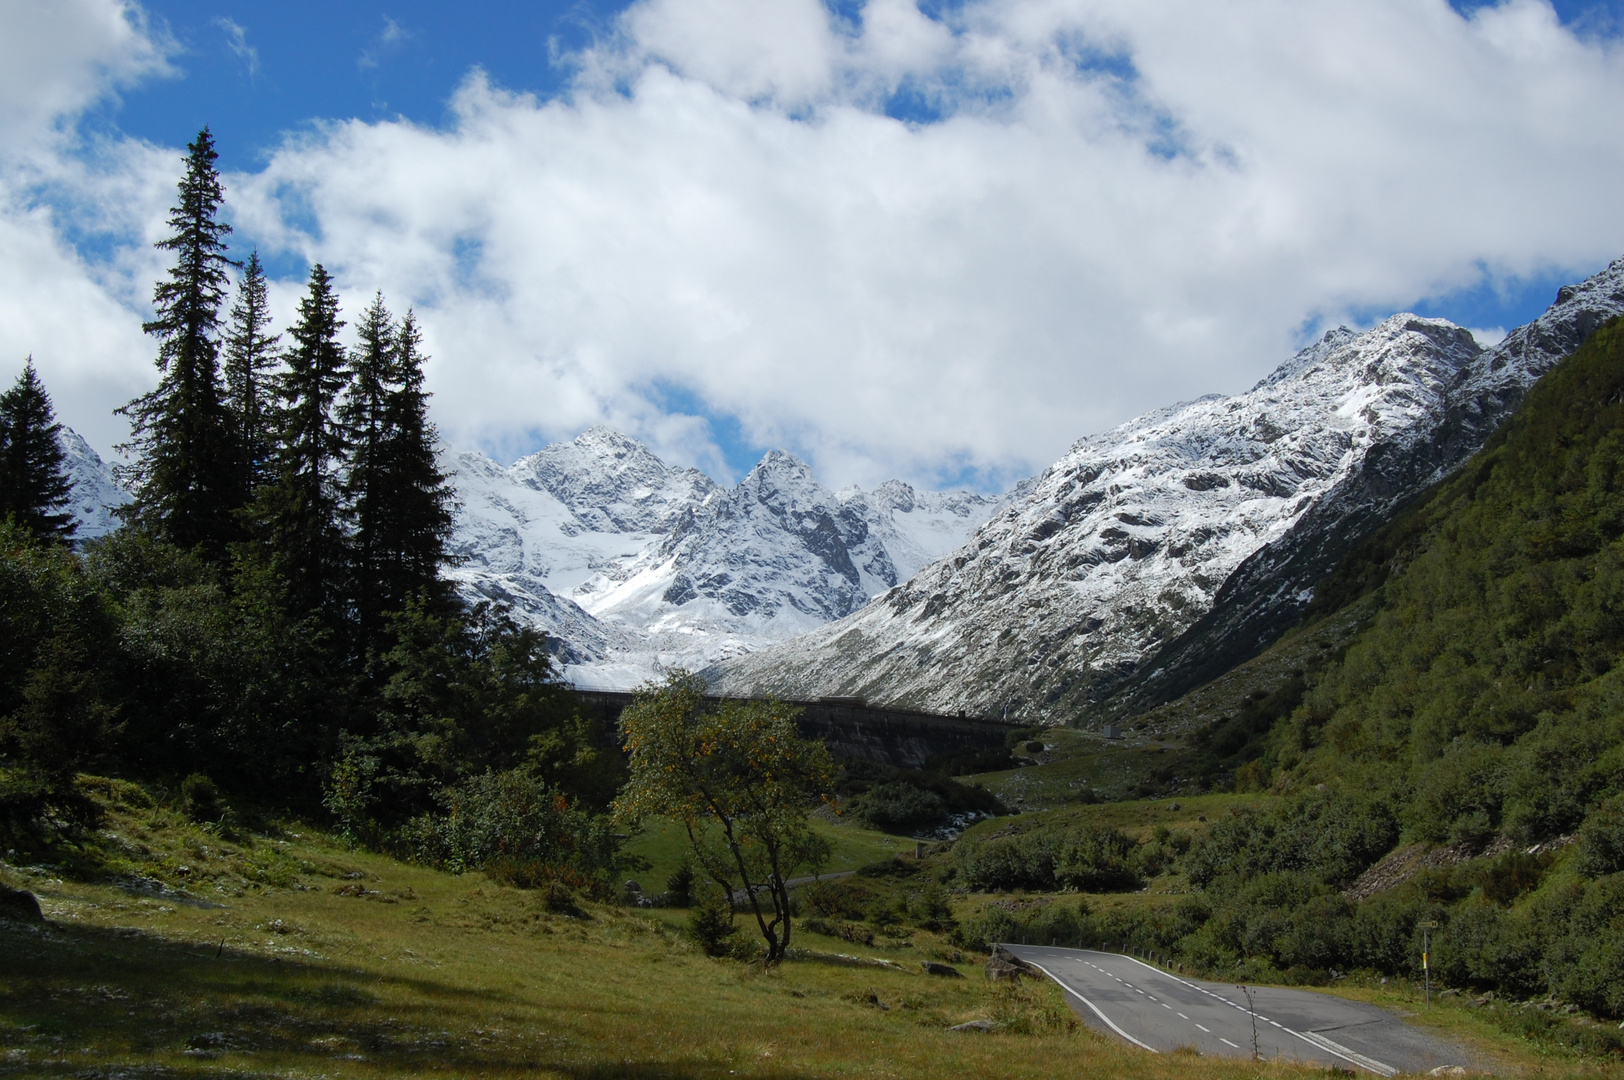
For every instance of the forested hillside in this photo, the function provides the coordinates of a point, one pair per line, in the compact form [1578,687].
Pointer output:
[1484,696]
[1474,728]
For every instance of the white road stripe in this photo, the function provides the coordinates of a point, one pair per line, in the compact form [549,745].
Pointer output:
[1183,1017]
[1380,1068]
[1207,1030]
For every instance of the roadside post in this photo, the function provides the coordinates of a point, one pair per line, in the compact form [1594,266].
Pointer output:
[1426,959]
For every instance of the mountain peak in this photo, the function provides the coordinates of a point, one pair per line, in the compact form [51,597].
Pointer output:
[605,440]
[781,464]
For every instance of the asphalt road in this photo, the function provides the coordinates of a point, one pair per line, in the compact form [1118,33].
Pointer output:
[1162,1012]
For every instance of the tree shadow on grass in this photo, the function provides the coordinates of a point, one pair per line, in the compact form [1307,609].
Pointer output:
[100,1002]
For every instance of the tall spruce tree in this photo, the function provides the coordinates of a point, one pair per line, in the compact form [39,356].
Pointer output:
[364,415]
[184,473]
[33,483]
[250,357]
[299,511]
[418,505]
[398,499]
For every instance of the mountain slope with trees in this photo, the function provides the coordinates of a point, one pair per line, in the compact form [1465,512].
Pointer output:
[1454,766]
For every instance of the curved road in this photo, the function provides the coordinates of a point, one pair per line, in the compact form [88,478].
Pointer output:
[1162,1012]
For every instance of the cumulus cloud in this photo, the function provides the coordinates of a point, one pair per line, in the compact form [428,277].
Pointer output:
[915,244]
[1108,205]
[58,57]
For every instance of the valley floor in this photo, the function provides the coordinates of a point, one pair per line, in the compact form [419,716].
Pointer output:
[290,955]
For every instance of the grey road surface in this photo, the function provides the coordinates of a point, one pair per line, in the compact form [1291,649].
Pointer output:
[1162,1012]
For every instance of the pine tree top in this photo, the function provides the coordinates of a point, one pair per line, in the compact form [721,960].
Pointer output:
[34,484]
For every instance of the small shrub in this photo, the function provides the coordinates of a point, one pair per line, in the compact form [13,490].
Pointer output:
[902,808]
[519,830]
[930,910]
[842,898]
[710,924]
[679,887]
[200,798]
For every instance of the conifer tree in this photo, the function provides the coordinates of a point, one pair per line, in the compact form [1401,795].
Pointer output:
[418,504]
[364,415]
[250,357]
[33,484]
[398,499]
[299,512]
[184,475]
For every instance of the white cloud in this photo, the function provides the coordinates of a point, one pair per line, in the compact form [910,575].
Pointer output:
[58,56]
[1124,204]
[237,41]
[1120,204]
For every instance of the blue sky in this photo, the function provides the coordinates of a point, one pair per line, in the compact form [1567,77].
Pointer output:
[255,71]
[931,240]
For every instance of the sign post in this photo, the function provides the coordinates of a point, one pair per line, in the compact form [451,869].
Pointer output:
[1426,965]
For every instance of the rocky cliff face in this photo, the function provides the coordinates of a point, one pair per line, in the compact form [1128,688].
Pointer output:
[633,564]
[1156,555]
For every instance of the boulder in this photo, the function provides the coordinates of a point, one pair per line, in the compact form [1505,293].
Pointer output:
[19,905]
[1004,964]
[976,1025]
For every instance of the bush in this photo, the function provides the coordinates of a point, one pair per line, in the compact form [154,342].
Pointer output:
[1043,922]
[201,798]
[930,910]
[516,827]
[1096,858]
[1009,863]
[1092,858]
[1329,835]
[901,807]
[1601,839]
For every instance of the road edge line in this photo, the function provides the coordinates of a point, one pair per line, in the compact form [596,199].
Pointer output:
[1091,1005]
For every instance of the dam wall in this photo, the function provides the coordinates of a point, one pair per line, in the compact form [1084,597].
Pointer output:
[902,738]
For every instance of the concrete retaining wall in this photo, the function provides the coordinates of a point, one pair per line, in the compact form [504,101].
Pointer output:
[898,737]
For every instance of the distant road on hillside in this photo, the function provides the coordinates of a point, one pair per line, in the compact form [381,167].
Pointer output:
[1161,1012]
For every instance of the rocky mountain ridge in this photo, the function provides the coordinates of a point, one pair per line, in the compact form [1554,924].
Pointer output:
[1156,555]
[633,564]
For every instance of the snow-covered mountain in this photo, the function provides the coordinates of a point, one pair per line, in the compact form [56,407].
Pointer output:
[1155,555]
[95,493]
[631,563]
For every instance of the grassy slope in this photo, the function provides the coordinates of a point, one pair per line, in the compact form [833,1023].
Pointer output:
[665,846]
[294,956]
